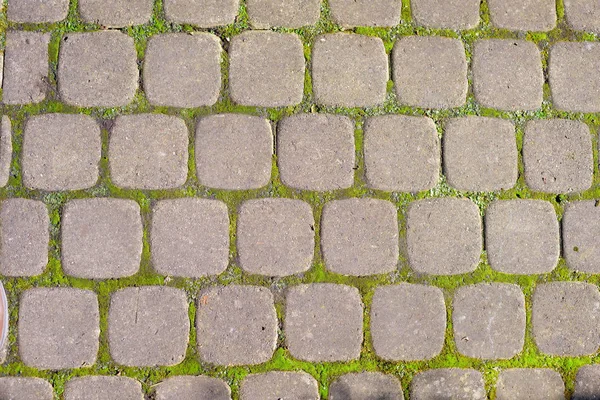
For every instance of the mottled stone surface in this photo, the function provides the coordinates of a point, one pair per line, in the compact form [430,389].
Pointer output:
[278,385]
[116,13]
[523,15]
[202,13]
[6,147]
[197,387]
[587,383]
[447,14]
[264,14]
[580,232]
[366,385]
[582,15]
[37,11]
[448,384]
[17,388]
[376,13]
[103,388]
[530,383]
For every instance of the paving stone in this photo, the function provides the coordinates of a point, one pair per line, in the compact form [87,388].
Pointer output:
[316,151]
[275,237]
[351,13]
[103,388]
[580,232]
[6,147]
[430,71]
[349,70]
[182,70]
[17,388]
[58,328]
[278,385]
[323,322]
[448,384]
[443,236]
[448,14]
[522,236]
[148,151]
[408,322]
[565,318]
[523,15]
[265,14]
[234,151]
[582,15]
[587,383]
[236,325]
[530,383]
[202,13]
[190,237]
[37,11]
[507,74]
[365,386]
[25,77]
[196,387]
[360,236]
[148,326]
[480,154]
[557,155]
[97,69]
[101,238]
[116,13]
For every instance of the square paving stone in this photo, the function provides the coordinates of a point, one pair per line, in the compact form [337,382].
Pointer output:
[365,386]
[116,13]
[582,15]
[182,70]
[580,232]
[17,388]
[530,383]
[351,13]
[447,14]
[61,152]
[349,70]
[190,237]
[103,388]
[101,238]
[236,325]
[97,69]
[202,13]
[522,236]
[265,14]
[193,387]
[234,151]
[6,147]
[507,74]
[448,384]
[558,156]
[37,11]
[148,151]
[316,151]
[566,318]
[323,322]
[443,236]
[587,383]
[430,72]
[148,326]
[275,237]
[523,15]
[408,322]
[58,328]
[266,69]
[279,385]
[480,154]
[360,236]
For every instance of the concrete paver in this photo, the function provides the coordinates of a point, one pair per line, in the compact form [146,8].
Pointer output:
[448,384]
[523,15]
[580,230]
[103,388]
[587,383]
[37,11]
[116,13]
[17,388]
[366,385]
[530,383]
[582,15]
[264,14]
[448,14]
[202,13]
[277,385]
[6,148]
[376,13]
[197,387]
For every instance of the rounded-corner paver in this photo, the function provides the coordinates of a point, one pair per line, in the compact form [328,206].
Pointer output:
[265,14]
[523,15]
[580,232]
[587,383]
[103,387]
[116,13]
[366,385]
[202,13]
[37,11]
[374,13]
[447,14]
[277,385]
[530,383]
[448,383]
[197,387]
[25,388]
[582,15]
[6,147]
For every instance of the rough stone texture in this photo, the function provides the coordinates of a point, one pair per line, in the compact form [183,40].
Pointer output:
[148,151]
[408,322]
[582,15]
[430,71]
[316,151]
[190,237]
[349,70]
[507,74]
[587,383]
[275,237]
[360,236]
[366,385]
[202,13]
[557,155]
[37,11]
[580,232]
[351,13]
[17,388]
[116,13]
[522,236]
[97,69]
[182,70]
[448,384]
[234,151]
[266,69]
[530,383]
[103,388]
[196,387]
[480,154]
[565,318]
[523,15]
[61,152]
[265,14]
[101,238]
[323,322]
[447,14]
[58,328]
[443,236]
[148,326]
[6,147]
[277,385]
[236,325]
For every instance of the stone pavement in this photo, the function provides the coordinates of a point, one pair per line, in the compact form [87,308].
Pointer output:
[300,199]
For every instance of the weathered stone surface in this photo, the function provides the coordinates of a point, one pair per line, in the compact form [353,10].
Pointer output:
[587,383]
[366,385]
[580,232]
[408,322]
[116,13]
[202,13]
[58,328]
[103,388]
[582,15]
[148,326]
[265,14]
[101,238]
[530,383]
[448,384]
[278,385]
[523,15]
[17,388]
[351,13]
[37,11]
[196,387]
[447,14]
[6,147]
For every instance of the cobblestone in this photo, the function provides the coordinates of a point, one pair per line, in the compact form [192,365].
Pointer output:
[376,13]
[582,15]
[6,147]
[523,15]
[447,384]
[17,388]
[103,388]
[448,14]
[115,13]
[37,11]
[277,385]
[580,230]
[587,383]
[530,383]
[366,385]
[265,14]
[197,387]
[202,13]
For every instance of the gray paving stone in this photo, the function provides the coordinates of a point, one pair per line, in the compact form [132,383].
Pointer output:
[523,15]
[202,13]
[265,14]
[430,71]
[101,238]
[58,328]
[582,15]
[448,384]
[480,154]
[97,69]
[587,383]
[25,77]
[360,236]
[190,237]
[522,236]
[196,387]
[558,156]
[61,152]
[366,386]
[443,236]
[408,322]
[182,70]
[6,147]
[323,322]
[275,237]
[530,383]
[278,385]
[236,325]
[17,388]
[580,232]
[103,388]
[351,13]
[448,14]
[349,70]
[565,318]
[234,151]
[316,151]
[116,13]
[148,326]
[148,151]
[37,11]
[507,74]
